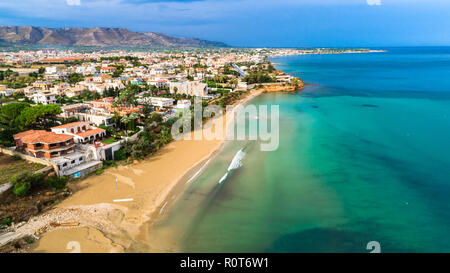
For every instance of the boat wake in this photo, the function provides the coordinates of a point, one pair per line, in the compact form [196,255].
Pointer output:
[235,164]
[223,178]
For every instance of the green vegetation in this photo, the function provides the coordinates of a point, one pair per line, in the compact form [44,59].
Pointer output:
[13,80]
[111,140]
[56,182]
[119,71]
[29,240]
[213,84]
[38,117]
[107,164]
[88,95]
[127,96]
[258,77]
[74,78]
[120,155]
[24,183]
[228,70]
[10,166]
[5,222]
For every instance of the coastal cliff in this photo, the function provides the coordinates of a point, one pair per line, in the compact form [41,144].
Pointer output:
[296,85]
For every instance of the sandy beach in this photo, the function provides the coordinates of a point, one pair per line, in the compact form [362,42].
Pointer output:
[146,188]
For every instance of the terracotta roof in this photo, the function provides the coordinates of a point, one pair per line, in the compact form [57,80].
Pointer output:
[72,124]
[29,132]
[91,132]
[45,137]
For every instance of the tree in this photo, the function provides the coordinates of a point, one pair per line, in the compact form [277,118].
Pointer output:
[38,117]
[109,130]
[75,77]
[134,116]
[127,98]
[10,112]
[8,121]
[116,118]
[165,136]
[155,117]
[125,120]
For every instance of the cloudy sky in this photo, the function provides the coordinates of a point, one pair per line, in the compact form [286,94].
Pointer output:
[251,22]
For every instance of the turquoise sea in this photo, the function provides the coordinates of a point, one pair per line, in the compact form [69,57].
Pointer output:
[364,156]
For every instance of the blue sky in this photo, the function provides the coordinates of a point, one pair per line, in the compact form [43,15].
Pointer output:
[275,23]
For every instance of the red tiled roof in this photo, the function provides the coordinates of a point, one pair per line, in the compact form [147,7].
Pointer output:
[45,137]
[72,124]
[91,132]
[29,132]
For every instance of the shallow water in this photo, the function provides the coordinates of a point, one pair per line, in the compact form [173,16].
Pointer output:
[363,156]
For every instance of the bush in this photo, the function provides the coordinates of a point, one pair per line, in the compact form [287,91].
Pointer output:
[29,240]
[22,188]
[107,163]
[5,222]
[16,157]
[56,182]
[21,184]
[99,171]
[120,155]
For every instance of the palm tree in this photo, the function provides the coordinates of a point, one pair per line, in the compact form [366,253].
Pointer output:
[133,117]
[126,120]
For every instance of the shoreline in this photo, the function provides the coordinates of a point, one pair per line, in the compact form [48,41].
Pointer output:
[114,227]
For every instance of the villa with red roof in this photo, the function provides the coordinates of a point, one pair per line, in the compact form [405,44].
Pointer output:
[63,146]
[40,143]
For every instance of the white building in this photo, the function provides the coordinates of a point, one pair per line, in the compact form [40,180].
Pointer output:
[51,70]
[157,101]
[189,88]
[242,86]
[81,131]
[86,70]
[183,104]
[44,98]
[7,92]
[158,83]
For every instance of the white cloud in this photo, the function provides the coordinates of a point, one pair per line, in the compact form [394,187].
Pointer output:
[374,2]
[73,2]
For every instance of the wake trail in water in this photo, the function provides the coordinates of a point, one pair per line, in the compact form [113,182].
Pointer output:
[223,178]
[235,164]
[206,203]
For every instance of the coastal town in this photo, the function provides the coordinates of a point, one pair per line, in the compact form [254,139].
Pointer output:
[66,115]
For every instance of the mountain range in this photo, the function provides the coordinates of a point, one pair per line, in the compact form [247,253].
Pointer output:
[97,37]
